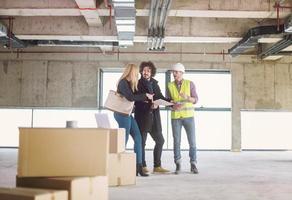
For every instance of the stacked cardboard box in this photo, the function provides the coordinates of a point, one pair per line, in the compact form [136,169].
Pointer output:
[79,188]
[81,162]
[122,165]
[59,152]
[50,152]
[32,194]
[122,169]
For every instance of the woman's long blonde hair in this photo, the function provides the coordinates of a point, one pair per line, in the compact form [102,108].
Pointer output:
[131,73]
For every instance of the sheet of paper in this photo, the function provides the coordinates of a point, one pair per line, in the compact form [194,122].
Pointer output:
[162,102]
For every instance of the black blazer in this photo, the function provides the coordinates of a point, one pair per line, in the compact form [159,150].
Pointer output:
[148,119]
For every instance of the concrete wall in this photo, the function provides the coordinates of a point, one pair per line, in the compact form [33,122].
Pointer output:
[71,79]
[48,83]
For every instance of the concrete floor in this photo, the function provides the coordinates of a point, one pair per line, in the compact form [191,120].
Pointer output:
[259,175]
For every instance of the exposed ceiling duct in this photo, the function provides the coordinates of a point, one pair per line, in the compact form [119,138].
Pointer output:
[277,47]
[250,40]
[157,19]
[73,43]
[7,39]
[125,17]
[3,30]
[288,25]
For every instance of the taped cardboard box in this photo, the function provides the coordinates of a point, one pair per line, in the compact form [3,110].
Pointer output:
[122,169]
[32,194]
[79,188]
[53,152]
[117,140]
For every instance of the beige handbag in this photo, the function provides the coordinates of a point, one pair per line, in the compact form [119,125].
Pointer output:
[117,103]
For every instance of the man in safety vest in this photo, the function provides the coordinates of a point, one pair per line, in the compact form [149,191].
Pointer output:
[183,94]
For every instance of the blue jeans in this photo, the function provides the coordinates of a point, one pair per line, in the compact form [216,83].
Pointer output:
[189,126]
[131,127]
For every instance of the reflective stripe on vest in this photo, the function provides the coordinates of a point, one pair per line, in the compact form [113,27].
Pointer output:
[187,109]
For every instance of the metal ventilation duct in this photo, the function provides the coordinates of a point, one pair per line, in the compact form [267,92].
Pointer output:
[9,40]
[3,30]
[54,43]
[125,17]
[277,47]
[288,25]
[250,40]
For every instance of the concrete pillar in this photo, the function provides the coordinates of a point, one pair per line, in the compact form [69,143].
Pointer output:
[237,104]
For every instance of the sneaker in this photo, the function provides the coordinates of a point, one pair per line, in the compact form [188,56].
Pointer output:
[160,170]
[145,170]
[194,169]
[177,170]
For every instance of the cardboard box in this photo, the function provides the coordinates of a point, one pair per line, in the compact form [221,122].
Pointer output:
[32,194]
[122,169]
[53,152]
[117,140]
[81,188]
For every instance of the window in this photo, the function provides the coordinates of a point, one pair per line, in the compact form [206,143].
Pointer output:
[11,119]
[266,130]
[213,112]
[58,118]
[213,88]
[109,82]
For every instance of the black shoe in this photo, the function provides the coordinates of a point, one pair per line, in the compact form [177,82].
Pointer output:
[139,170]
[177,170]
[194,169]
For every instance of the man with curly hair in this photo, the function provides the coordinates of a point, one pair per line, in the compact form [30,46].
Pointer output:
[147,115]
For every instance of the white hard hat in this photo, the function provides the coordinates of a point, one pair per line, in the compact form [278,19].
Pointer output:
[178,67]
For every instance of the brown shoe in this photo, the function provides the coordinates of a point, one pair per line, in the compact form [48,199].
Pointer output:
[145,170]
[160,170]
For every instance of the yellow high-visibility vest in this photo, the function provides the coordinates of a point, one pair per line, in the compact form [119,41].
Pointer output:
[188,108]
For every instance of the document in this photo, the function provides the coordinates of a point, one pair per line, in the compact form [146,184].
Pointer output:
[161,102]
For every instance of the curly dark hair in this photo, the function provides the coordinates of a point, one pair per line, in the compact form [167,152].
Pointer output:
[150,65]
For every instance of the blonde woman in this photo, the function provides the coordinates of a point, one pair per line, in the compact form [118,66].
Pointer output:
[127,86]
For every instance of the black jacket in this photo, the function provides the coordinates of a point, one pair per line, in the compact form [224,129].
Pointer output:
[124,89]
[148,119]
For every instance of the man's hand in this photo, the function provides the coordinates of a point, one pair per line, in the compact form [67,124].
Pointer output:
[184,96]
[177,106]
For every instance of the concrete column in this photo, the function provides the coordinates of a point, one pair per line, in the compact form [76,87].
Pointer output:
[237,104]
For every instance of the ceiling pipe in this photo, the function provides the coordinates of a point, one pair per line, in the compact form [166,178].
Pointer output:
[10,29]
[160,8]
[150,25]
[167,7]
[160,23]
[155,23]
[167,11]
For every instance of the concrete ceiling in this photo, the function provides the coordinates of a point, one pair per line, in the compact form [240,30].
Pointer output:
[189,21]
